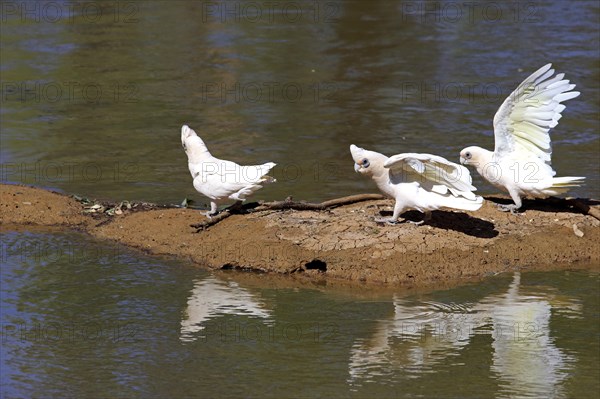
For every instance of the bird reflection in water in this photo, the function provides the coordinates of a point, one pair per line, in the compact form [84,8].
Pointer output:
[417,338]
[211,298]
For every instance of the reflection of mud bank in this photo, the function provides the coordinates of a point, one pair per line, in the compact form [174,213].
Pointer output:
[342,243]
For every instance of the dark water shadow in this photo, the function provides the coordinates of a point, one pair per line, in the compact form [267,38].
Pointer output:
[457,221]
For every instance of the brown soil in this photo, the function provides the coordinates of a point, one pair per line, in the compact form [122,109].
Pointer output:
[342,243]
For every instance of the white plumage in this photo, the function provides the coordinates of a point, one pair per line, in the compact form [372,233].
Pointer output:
[218,179]
[418,181]
[520,163]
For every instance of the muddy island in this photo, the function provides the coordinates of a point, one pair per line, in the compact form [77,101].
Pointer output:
[342,242]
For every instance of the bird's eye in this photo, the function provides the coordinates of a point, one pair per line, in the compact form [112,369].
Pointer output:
[365,163]
[468,155]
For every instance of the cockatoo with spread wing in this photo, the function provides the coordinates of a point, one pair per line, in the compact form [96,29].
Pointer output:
[418,181]
[520,163]
[218,179]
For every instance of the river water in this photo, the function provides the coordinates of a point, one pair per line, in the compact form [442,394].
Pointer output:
[93,96]
[88,319]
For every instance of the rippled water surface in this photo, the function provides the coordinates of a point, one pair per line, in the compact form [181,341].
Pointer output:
[83,319]
[93,96]
[94,102]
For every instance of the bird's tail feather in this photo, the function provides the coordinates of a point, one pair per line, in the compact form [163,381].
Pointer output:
[569,181]
[262,172]
[561,185]
[466,204]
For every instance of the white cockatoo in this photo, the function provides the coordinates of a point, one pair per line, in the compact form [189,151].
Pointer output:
[218,179]
[418,181]
[520,163]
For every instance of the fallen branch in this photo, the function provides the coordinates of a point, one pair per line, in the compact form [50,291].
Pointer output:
[286,204]
[310,206]
[583,206]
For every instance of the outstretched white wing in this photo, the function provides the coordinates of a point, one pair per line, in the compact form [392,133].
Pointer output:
[435,169]
[522,122]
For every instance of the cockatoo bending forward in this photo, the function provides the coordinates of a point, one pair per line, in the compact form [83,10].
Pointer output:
[418,181]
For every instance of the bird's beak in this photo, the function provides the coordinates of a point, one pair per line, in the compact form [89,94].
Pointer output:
[463,161]
[356,167]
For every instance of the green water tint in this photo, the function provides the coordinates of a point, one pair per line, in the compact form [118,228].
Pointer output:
[87,319]
[94,106]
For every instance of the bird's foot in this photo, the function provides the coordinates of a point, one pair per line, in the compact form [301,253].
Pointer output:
[420,222]
[512,208]
[389,221]
[209,215]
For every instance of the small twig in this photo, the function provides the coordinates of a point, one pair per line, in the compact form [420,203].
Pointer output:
[284,205]
[212,220]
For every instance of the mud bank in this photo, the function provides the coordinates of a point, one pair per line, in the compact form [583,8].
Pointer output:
[341,243]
